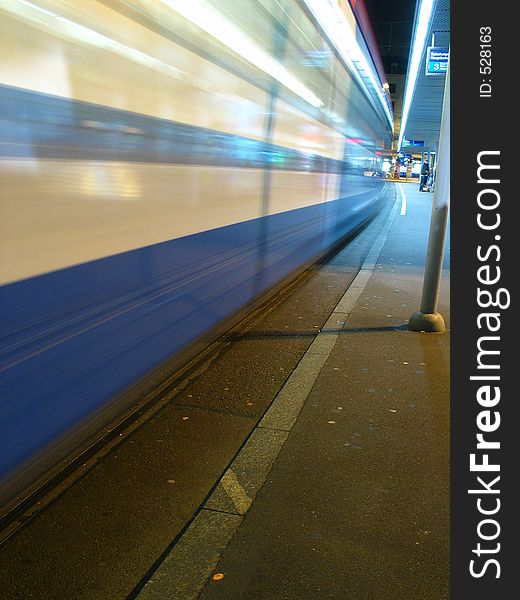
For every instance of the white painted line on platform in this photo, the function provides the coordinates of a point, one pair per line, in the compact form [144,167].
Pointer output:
[185,570]
[246,475]
[287,405]
[403,196]
[236,492]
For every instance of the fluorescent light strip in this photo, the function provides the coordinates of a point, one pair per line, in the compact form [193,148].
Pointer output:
[222,30]
[332,20]
[425,14]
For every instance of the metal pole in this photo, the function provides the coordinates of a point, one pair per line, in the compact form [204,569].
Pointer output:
[427,318]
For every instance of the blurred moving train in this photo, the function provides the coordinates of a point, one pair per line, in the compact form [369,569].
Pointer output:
[163,163]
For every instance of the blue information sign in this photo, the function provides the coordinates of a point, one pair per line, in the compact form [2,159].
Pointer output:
[437,61]
[412,143]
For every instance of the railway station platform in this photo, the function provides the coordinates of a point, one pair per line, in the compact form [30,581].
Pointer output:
[307,457]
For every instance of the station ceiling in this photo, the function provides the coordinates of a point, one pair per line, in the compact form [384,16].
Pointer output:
[424,119]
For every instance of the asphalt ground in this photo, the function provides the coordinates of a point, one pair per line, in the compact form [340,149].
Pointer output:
[106,534]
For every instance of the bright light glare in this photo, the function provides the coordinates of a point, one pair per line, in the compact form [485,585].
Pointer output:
[418,45]
[222,30]
[338,29]
[68,29]
[191,10]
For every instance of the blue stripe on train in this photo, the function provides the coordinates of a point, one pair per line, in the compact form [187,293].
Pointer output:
[37,125]
[74,339]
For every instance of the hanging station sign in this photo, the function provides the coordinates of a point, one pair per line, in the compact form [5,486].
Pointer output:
[437,61]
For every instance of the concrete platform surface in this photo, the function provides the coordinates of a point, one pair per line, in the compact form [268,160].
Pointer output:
[356,503]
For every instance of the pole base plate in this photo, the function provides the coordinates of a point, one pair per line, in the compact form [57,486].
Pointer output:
[428,322]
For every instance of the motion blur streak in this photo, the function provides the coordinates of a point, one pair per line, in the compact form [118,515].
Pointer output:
[342,28]
[224,32]
[155,181]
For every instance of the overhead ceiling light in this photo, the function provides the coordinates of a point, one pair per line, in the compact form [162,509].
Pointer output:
[201,15]
[422,25]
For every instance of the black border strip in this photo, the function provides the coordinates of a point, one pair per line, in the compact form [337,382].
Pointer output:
[484,123]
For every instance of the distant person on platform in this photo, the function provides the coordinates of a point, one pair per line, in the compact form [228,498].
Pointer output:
[425,173]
